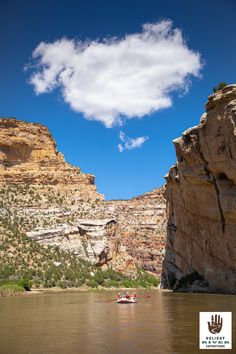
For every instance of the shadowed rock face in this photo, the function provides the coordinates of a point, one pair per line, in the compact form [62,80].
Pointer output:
[201,197]
[142,226]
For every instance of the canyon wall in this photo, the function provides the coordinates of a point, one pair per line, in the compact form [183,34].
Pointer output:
[28,155]
[142,226]
[201,197]
[56,204]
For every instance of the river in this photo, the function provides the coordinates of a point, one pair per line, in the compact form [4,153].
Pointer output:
[91,323]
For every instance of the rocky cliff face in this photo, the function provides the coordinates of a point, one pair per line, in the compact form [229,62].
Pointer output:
[94,240]
[201,196]
[142,226]
[56,204]
[28,155]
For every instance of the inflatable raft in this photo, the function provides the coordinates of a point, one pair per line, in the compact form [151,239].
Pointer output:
[126,301]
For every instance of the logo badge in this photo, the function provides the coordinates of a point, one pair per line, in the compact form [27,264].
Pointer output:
[216,324]
[215,330]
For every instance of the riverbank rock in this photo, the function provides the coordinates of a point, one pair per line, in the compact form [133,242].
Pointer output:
[201,195]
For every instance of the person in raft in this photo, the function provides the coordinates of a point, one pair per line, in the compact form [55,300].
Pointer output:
[127,295]
[119,296]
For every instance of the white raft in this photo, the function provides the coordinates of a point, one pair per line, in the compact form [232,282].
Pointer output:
[126,301]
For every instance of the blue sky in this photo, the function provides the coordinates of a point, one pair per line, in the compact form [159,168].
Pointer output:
[208,27]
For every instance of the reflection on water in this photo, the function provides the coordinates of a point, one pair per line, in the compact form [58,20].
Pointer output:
[87,322]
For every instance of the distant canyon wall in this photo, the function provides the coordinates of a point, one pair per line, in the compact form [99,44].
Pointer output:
[56,204]
[142,226]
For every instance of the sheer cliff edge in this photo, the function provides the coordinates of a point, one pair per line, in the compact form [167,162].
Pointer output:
[201,202]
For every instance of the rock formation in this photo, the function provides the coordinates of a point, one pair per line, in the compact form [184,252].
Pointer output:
[142,226]
[201,196]
[56,204]
[94,240]
[28,155]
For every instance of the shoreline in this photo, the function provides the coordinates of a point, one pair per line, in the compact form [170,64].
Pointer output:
[41,291]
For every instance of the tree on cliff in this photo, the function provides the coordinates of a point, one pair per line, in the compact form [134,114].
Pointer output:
[220,86]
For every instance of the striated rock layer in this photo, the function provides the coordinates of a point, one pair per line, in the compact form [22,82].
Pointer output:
[94,240]
[28,155]
[56,204]
[201,196]
[142,226]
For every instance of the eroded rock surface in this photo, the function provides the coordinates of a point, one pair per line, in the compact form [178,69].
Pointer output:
[142,226]
[201,195]
[28,155]
[95,240]
[56,204]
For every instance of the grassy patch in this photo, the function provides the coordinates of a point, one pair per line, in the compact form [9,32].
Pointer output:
[10,287]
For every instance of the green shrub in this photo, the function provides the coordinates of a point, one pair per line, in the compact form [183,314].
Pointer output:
[220,86]
[26,283]
[62,284]
[143,283]
[127,283]
[92,283]
[111,283]
[98,277]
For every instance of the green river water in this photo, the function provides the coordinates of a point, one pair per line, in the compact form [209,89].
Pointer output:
[89,323]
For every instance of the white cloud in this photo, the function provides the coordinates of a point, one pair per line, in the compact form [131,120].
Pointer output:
[111,80]
[130,143]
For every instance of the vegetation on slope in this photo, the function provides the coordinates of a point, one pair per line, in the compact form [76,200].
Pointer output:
[30,264]
[51,206]
[11,287]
